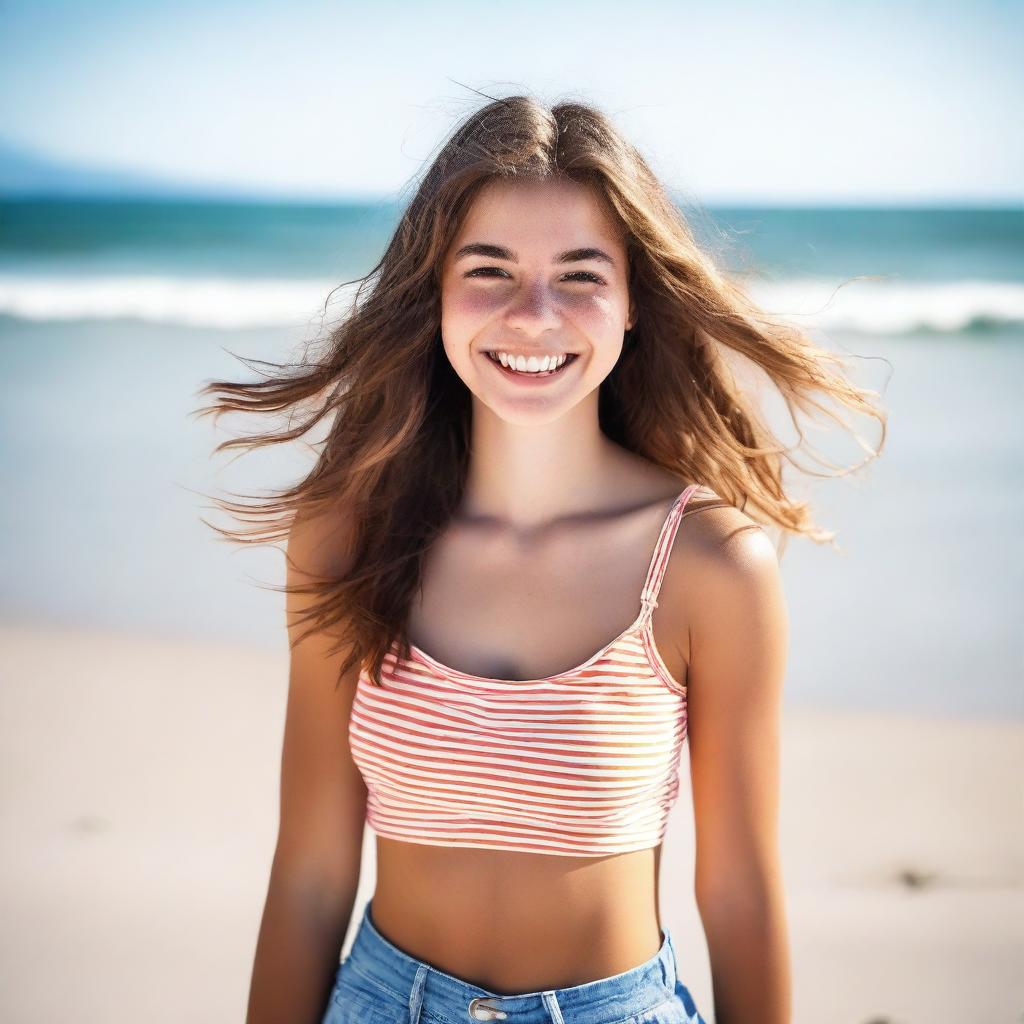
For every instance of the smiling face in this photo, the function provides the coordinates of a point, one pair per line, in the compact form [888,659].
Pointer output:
[537,272]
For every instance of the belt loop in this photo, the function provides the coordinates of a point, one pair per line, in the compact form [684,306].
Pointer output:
[670,965]
[551,1002]
[416,995]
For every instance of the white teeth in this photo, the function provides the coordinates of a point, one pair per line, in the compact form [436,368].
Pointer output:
[533,364]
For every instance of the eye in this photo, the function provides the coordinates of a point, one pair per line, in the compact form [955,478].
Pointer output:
[480,271]
[586,276]
[580,276]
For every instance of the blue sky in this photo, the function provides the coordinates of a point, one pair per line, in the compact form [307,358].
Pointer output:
[753,101]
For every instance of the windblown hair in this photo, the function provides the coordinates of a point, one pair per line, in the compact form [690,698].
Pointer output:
[395,455]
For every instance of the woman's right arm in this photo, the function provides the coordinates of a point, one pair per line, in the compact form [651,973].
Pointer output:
[315,870]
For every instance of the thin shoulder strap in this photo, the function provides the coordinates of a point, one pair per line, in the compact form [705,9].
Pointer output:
[662,550]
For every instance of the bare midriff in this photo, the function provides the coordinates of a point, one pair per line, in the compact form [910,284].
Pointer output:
[513,922]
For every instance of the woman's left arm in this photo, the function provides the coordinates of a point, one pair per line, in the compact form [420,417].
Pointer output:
[738,646]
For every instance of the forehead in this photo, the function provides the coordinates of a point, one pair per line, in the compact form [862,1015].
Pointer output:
[532,215]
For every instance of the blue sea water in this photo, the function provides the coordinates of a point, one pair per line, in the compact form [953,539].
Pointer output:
[242,264]
[113,314]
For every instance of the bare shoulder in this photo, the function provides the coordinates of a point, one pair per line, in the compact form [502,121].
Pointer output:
[723,578]
[722,543]
[319,543]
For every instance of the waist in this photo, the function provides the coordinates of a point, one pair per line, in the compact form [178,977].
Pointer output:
[515,922]
[376,965]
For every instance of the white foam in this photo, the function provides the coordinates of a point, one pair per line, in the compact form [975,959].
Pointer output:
[868,306]
[192,302]
[892,306]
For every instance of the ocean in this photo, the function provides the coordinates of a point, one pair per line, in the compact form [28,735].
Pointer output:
[113,314]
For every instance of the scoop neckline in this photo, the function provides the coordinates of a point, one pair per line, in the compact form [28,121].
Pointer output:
[641,623]
[429,659]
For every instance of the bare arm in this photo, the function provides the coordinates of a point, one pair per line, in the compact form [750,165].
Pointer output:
[317,859]
[738,646]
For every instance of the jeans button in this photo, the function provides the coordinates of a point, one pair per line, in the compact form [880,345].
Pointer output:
[481,1009]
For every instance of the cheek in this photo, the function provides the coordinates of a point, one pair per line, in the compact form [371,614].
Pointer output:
[472,303]
[597,312]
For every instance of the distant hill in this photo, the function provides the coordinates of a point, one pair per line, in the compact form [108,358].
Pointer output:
[26,174]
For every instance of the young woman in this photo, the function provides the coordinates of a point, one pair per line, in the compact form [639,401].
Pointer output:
[535,444]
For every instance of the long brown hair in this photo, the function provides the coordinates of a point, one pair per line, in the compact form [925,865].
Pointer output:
[395,454]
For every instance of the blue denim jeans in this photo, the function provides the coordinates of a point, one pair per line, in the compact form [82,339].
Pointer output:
[379,984]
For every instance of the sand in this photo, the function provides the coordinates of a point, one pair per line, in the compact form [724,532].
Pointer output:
[140,808]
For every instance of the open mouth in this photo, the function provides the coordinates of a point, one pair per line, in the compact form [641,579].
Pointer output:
[527,374]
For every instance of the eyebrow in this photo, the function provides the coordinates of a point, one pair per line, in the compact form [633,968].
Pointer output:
[499,252]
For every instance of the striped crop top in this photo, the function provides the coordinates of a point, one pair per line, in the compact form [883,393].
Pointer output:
[581,763]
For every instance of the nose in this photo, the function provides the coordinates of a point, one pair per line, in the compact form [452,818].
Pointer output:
[532,309]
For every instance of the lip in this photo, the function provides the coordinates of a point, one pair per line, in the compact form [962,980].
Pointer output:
[527,380]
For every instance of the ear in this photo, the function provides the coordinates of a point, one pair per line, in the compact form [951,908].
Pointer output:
[631,318]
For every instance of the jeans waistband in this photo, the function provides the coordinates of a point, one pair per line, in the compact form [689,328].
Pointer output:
[425,988]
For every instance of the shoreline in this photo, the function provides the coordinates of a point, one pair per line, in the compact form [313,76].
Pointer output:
[141,814]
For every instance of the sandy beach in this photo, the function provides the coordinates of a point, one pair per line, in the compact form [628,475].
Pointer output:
[140,807]
[194,205]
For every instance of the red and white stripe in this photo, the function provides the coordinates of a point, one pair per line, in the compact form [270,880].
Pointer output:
[582,763]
